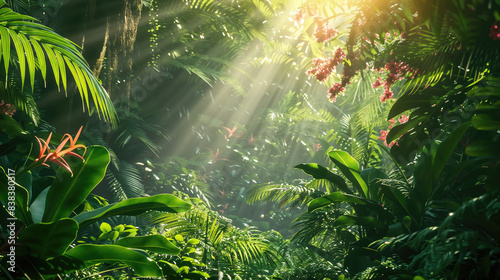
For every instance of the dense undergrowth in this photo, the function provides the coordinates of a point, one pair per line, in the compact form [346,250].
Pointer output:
[210,151]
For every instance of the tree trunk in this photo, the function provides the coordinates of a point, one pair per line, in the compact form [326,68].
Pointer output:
[109,33]
[120,50]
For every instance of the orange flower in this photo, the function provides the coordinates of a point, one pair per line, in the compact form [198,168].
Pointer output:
[57,155]
[232,132]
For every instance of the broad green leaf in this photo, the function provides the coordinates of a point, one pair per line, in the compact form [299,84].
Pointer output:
[320,172]
[38,206]
[193,241]
[350,168]
[369,175]
[484,91]
[372,173]
[47,240]
[10,126]
[95,254]
[154,243]
[135,206]
[105,227]
[486,122]
[68,192]
[40,185]
[481,148]
[401,129]
[423,173]
[362,206]
[198,275]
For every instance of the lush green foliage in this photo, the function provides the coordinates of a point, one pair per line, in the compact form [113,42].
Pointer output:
[397,178]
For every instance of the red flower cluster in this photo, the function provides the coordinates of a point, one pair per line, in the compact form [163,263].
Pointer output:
[377,83]
[309,7]
[495,31]
[383,133]
[7,109]
[323,32]
[396,70]
[334,91]
[324,67]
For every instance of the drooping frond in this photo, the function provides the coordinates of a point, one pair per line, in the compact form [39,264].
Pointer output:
[132,126]
[124,180]
[366,99]
[206,68]
[23,101]
[434,59]
[36,46]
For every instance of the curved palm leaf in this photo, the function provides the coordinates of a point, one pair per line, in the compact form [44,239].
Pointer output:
[124,180]
[33,44]
[290,194]
[132,126]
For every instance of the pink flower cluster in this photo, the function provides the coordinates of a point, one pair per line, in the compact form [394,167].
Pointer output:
[495,32]
[334,91]
[396,71]
[7,109]
[324,67]
[309,7]
[383,133]
[323,31]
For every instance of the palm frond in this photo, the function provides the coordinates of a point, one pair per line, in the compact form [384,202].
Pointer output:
[226,243]
[132,126]
[124,180]
[353,138]
[33,43]
[23,101]
[317,226]
[290,194]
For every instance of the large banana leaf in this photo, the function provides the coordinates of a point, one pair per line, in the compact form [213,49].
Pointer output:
[135,206]
[94,254]
[350,168]
[34,43]
[154,243]
[68,192]
[46,240]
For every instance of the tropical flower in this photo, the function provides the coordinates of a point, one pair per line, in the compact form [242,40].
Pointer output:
[57,155]
[323,31]
[335,90]
[232,132]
